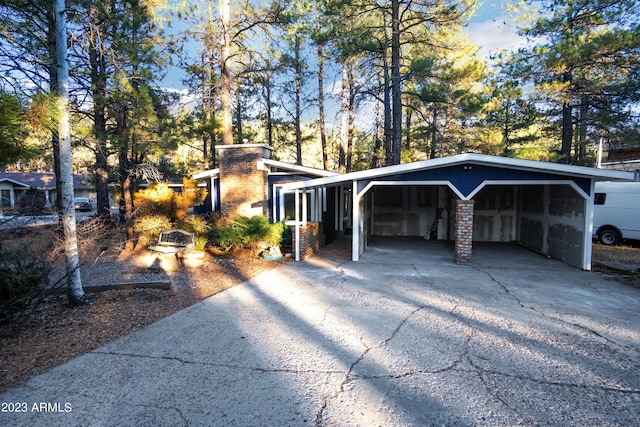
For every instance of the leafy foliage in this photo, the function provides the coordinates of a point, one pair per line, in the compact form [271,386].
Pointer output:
[13,130]
[151,225]
[23,277]
[193,224]
[248,232]
[160,199]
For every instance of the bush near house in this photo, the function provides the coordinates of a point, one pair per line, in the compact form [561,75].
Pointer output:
[256,233]
[159,199]
[159,208]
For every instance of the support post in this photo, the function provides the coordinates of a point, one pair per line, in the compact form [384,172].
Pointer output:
[355,234]
[297,212]
[464,231]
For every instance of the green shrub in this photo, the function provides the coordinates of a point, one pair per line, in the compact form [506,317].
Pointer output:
[23,276]
[193,224]
[150,226]
[200,243]
[247,232]
[225,237]
[160,199]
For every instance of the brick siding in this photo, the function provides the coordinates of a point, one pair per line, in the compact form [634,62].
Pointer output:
[311,238]
[464,231]
[243,187]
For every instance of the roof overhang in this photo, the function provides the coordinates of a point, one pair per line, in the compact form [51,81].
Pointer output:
[14,182]
[212,173]
[460,159]
[289,167]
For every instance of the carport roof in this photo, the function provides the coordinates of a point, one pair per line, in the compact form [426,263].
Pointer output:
[470,159]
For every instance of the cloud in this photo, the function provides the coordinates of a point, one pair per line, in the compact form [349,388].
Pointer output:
[494,36]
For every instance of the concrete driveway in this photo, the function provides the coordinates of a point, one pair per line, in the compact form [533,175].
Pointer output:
[402,337]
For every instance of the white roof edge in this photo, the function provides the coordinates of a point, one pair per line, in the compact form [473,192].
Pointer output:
[22,184]
[598,174]
[222,147]
[206,174]
[298,168]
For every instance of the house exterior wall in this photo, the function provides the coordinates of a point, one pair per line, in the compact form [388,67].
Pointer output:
[408,210]
[243,185]
[311,239]
[532,222]
[552,221]
[495,214]
[566,224]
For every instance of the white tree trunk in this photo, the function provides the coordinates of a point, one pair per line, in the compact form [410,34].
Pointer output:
[65,180]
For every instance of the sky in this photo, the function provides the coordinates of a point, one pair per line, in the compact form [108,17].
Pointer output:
[491,28]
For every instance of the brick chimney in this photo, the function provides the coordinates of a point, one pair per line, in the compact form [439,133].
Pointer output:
[243,181]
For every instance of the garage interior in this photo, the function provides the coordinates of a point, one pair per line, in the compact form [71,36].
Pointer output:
[549,219]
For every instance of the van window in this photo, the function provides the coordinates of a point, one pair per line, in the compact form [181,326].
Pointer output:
[599,198]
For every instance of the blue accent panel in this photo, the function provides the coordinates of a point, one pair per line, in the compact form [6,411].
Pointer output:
[468,180]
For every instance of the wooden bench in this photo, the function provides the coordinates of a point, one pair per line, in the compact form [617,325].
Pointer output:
[174,242]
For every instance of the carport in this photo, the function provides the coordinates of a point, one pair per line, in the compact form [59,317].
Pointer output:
[546,207]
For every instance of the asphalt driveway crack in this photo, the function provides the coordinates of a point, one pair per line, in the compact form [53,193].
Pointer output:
[575,325]
[348,378]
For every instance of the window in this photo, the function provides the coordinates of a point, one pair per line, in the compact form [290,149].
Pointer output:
[5,197]
[599,198]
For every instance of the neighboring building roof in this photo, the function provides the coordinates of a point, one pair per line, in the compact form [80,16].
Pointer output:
[471,159]
[44,180]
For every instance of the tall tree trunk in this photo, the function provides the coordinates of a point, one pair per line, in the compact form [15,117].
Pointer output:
[434,135]
[269,109]
[506,130]
[344,119]
[396,87]
[298,84]
[321,124]
[376,159]
[407,130]
[204,91]
[75,291]
[98,84]
[225,73]
[581,149]
[567,124]
[352,115]
[238,114]
[124,170]
[53,84]
[388,131]
[126,200]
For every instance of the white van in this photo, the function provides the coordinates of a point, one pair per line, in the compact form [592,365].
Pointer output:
[616,212]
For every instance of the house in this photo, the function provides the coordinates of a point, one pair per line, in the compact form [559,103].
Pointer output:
[547,207]
[15,184]
[245,182]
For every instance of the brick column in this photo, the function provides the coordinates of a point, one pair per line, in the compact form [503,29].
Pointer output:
[243,187]
[311,238]
[464,230]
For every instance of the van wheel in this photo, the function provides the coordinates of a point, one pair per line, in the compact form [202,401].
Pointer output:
[609,237]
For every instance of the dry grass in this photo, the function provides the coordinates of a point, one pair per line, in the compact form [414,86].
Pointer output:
[626,254]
